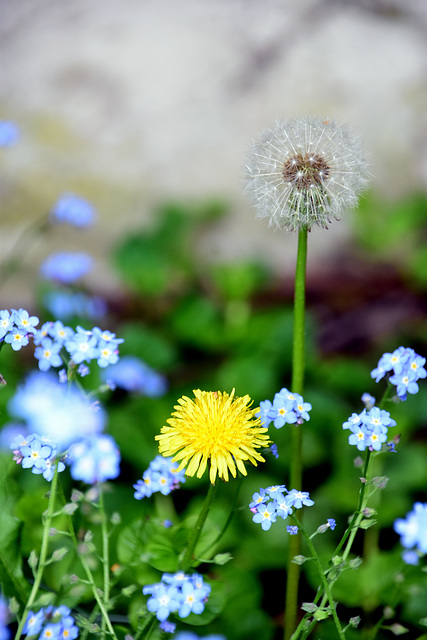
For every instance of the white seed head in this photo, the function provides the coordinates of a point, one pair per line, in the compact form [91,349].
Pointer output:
[305,172]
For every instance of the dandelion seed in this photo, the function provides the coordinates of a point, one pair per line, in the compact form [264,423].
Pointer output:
[305,172]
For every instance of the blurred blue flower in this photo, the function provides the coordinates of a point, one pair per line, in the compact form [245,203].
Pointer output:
[66,267]
[413,529]
[74,210]
[9,133]
[4,619]
[133,375]
[68,304]
[54,410]
[167,627]
[274,450]
[410,557]
[94,459]
[292,530]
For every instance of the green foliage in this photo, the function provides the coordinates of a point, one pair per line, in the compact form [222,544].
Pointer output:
[223,326]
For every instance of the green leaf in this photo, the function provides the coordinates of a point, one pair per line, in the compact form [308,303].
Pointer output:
[239,280]
[11,576]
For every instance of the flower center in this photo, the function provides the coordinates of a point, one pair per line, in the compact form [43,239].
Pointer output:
[303,172]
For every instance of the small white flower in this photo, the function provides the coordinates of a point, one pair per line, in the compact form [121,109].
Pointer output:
[305,172]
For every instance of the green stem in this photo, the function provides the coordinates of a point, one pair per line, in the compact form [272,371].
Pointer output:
[325,583]
[105,558]
[227,522]
[88,571]
[358,515]
[298,368]
[43,553]
[188,557]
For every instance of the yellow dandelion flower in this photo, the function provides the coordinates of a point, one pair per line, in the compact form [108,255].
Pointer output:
[216,427]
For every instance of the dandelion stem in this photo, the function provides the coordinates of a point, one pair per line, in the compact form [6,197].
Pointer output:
[188,556]
[298,366]
[227,522]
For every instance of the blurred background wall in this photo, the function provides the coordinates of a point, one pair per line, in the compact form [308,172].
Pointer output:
[129,103]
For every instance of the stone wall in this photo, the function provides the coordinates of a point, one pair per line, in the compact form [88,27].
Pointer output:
[132,102]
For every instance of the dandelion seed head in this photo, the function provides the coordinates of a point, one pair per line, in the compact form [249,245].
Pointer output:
[305,172]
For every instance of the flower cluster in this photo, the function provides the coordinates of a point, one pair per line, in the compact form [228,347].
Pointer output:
[16,326]
[51,623]
[275,501]
[162,475]
[38,454]
[413,529]
[369,428]
[133,375]
[82,345]
[66,266]
[94,459]
[286,408]
[403,368]
[73,210]
[179,593]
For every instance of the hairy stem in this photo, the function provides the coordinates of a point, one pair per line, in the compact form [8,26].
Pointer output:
[188,556]
[298,367]
[43,553]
